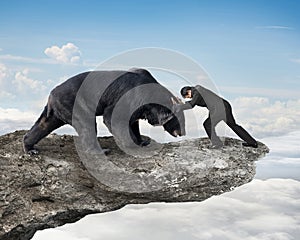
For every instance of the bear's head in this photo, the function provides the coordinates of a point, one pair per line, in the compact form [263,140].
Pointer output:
[173,121]
[175,125]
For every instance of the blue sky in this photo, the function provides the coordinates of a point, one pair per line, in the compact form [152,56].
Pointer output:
[251,49]
[250,44]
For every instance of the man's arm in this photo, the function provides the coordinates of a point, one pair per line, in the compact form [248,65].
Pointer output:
[193,102]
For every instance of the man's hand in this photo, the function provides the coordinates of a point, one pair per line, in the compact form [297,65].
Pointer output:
[177,108]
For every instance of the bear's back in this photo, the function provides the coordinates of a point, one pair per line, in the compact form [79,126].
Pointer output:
[111,84]
[127,81]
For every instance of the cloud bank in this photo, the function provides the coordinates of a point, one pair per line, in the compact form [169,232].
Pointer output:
[263,117]
[260,210]
[68,53]
[24,83]
[284,158]
[12,119]
[278,27]
[20,87]
[3,72]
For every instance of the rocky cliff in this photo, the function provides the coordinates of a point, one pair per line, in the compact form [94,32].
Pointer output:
[54,187]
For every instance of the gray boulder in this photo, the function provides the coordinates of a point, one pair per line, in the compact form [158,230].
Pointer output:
[55,187]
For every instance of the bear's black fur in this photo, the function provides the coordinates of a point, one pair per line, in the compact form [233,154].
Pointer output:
[108,87]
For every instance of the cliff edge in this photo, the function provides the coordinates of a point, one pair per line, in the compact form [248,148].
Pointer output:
[55,188]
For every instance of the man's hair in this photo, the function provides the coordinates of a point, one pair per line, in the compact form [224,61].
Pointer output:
[184,90]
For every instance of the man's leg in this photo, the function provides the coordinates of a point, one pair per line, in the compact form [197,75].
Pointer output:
[209,127]
[240,131]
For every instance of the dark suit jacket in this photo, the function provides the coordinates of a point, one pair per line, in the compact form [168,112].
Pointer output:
[203,97]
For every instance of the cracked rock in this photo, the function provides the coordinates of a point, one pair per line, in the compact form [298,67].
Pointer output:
[55,187]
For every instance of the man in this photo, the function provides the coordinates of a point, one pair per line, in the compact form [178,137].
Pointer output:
[219,109]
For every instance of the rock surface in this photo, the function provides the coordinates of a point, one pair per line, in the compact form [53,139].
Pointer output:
[54,187]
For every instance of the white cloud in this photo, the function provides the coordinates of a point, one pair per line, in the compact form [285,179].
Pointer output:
[264,92]
[286,145]
[260,210]
[7,126]
[12,119]
[278,27]
[51,61]
[68,53]
[59,235]
[16,81]
[25,83]
[6,95]
[266,118]
[3,73]
[284,158]
[15,114]
[296,60]
[21,59]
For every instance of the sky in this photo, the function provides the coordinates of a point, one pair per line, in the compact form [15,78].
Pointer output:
[249,49]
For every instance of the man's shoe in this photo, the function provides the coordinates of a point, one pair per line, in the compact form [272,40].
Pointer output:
[254,145]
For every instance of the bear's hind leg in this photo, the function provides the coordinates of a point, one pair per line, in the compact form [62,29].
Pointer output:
[42,127]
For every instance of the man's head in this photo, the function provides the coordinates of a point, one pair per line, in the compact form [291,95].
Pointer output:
[186,92]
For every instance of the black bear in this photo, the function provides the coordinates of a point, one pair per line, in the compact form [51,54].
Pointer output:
[134,93]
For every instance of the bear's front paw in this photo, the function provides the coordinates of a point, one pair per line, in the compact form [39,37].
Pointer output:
[145,142]
[106,151]
[33,152]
